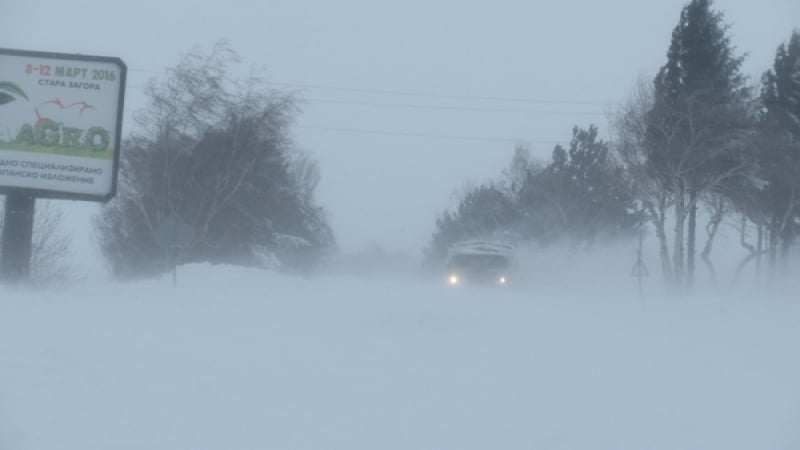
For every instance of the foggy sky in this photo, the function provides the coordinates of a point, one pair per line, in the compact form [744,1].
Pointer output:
[564,64]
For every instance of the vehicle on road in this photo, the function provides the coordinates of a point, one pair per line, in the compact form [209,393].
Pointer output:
[480,262]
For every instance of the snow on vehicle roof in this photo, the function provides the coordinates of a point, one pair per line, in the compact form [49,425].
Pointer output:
[477,247]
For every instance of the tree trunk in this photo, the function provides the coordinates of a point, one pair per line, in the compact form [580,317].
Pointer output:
[711,228]
[787,229]
[678,253]
[744,263]
[754,252]
[760,257]
[774,236]
[659,221]
[786,244]
[691,240]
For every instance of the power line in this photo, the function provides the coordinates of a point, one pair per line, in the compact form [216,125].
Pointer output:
[420,94]
[425,135]
[423,107]
[439,107]
[446,96]
[450,108]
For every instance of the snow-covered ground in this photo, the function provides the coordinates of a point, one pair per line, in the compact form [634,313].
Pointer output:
[244,359]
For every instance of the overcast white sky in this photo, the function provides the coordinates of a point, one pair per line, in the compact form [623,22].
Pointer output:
[563,63]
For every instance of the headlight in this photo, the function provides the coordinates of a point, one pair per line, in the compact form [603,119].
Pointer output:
[453,279]
[502,280]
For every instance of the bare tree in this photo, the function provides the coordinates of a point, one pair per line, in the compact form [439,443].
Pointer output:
[216,151]
[679,156]
[718,207]
[50,246]
[696,146]
[629,125]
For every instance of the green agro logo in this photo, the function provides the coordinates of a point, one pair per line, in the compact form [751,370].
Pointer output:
[48,136]
[51,134]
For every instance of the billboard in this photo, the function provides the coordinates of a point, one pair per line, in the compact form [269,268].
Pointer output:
[60,124]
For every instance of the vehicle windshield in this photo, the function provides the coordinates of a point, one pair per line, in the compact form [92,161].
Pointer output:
[478,263]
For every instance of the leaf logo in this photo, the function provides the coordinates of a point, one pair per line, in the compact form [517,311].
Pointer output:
[8,88]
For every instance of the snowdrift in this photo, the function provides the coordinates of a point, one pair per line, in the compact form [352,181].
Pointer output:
[245,359]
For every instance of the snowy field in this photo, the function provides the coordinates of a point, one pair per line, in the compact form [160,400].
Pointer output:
[245,359]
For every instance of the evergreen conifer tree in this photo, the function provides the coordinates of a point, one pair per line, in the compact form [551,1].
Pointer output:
[779,155]
[698,120]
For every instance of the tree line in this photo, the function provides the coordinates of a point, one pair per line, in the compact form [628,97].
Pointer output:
[697,136]
[216,151]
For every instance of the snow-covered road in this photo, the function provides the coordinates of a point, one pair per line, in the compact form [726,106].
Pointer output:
[243,359]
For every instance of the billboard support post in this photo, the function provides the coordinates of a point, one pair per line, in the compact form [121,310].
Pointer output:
[15,261]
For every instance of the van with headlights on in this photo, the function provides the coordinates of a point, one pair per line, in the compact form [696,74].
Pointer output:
[480,262]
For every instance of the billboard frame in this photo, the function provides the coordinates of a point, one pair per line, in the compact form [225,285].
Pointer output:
[55,194]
